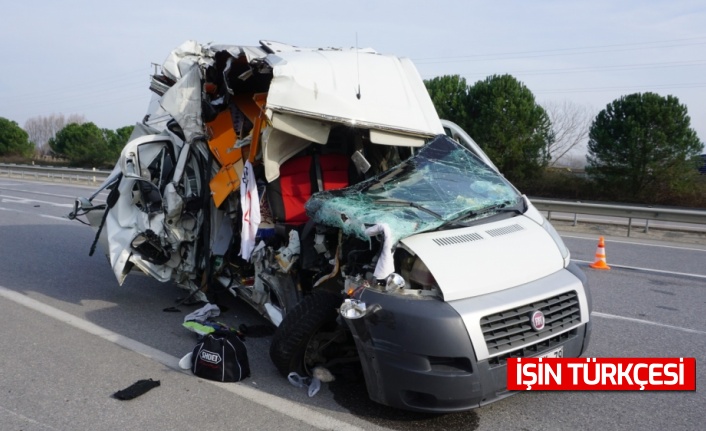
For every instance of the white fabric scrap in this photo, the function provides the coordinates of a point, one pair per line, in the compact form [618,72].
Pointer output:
[386,264]
[250,203]
[312,384]
[314,387]
[203,313]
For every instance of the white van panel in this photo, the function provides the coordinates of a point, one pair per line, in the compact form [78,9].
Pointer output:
[358,88]
[487,258]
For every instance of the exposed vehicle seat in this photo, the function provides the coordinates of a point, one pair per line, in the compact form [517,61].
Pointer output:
[299,178]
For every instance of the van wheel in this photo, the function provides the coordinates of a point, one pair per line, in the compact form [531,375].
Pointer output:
[308,335]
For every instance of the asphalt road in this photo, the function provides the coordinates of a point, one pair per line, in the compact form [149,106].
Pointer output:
[72,337]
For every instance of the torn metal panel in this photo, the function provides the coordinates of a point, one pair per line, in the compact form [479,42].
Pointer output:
[183,103]
[249,52]
[223,138]
[138,209]
[247,105]
[156,117]
[350,87]
[181,60]
[225,182]
[122,225]
[113,177]
[442,182]
[148,222]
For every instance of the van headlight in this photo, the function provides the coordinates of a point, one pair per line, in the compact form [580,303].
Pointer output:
[563,249]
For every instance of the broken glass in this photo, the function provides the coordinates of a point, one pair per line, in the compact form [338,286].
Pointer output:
[443,181]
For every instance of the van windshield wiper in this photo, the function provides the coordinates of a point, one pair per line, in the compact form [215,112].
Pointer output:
[519,208]
[380,181]
[402,202]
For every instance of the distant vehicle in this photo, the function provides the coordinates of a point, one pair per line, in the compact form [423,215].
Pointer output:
[321,187]
[702,168]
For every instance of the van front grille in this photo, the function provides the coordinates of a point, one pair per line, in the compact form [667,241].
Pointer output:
[534,349]
[511,329]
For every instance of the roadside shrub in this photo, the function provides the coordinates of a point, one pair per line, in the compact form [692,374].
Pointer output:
[565,184]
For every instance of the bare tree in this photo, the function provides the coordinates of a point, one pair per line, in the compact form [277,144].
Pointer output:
[42,129]
[570,124]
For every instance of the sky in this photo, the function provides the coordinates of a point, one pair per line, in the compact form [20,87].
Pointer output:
[94,58]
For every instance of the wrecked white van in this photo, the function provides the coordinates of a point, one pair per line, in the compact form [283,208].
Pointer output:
[320,186]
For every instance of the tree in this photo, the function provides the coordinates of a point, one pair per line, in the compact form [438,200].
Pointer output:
[506,121]
[117,139]
[642,144]
[13,140]
[83,144]
[570,125]
[449,94]
[42,129]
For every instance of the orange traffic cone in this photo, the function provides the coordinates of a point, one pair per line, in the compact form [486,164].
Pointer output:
[600,262]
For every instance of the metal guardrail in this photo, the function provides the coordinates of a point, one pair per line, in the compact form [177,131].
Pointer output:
[647,213]
[54,174]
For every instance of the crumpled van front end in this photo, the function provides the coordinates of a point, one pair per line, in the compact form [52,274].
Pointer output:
[479,276]
[431,354]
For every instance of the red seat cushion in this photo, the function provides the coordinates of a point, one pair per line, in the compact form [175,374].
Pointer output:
[334,171]
[295,183]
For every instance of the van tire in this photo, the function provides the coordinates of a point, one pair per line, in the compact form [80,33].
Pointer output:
[314,313]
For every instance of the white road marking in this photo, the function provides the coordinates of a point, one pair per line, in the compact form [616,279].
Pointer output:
[35,214]
[279,405]
[26,419]
[44,183]
[37,193]
[647,322]
[19,200]
[96,199]
[658,271]
[636,243]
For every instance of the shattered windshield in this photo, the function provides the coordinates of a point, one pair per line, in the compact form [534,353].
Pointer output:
[442,183]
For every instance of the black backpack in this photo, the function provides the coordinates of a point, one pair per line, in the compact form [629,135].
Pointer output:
[221,357]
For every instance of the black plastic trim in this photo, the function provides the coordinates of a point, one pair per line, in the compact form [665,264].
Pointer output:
[417,355]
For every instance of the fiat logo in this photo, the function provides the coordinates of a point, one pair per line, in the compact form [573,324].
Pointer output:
[537,320]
